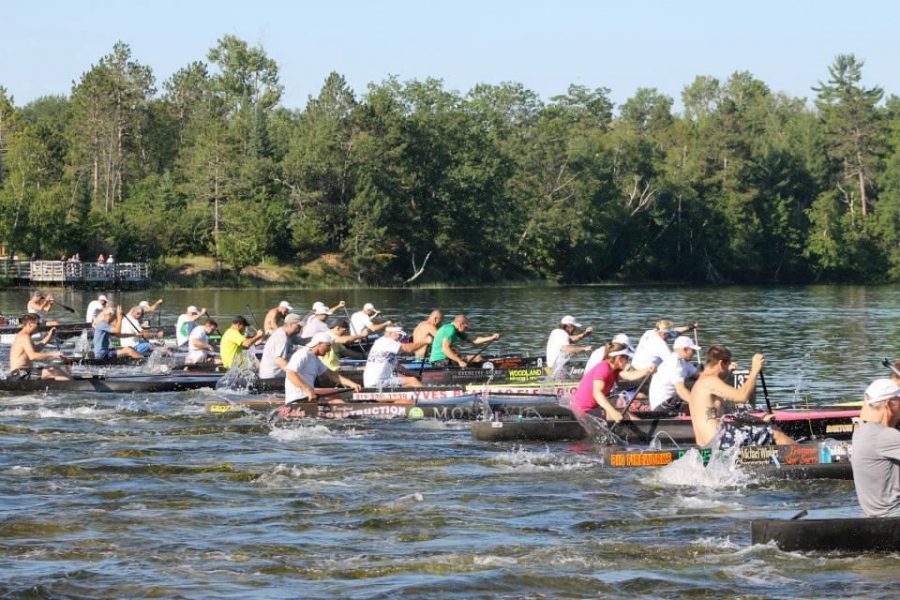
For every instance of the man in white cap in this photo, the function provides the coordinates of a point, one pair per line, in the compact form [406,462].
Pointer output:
[149,308]
[317,323]
[667,389]
[133,333]
[362,320]
[562,340]
[382,360]
[186,323]
[279,348]
[876,451]
[200,350]
[653,346]
[600,353]
[303,368]
[94,307]
[275,317]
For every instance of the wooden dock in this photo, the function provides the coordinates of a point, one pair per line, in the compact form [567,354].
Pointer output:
[75,274]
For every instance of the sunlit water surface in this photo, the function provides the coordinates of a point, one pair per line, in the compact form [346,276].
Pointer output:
[145,495]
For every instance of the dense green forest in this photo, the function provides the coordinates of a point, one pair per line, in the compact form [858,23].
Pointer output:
[412,181]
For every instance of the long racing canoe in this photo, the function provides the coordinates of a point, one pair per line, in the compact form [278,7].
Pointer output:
[826,535]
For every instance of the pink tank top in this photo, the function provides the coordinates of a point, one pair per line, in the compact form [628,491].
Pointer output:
[584,395]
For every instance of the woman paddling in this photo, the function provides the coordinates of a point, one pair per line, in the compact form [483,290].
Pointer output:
[594,387]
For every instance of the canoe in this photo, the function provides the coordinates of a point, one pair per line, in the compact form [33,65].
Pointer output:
[825,535]
[800,461]
[835,423]
[452,408]
[114,383]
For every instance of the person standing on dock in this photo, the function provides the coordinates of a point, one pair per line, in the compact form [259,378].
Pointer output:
[94,307]
[426,330]
[186,323]
[382,361]
[304,367]
[234,341]
[24,352]
[279,348]
[562,340]
[876,451]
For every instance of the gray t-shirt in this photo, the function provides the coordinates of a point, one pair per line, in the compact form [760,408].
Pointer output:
[278,345]
[876,469]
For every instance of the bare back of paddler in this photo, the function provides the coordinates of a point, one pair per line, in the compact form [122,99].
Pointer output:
[24,352]
[426,330]
[708,405]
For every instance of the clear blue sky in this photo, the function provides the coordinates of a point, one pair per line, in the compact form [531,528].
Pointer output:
[46,44]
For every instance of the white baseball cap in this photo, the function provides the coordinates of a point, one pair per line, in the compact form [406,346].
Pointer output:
[569,320]
[285,304]
[369,306]
[684,341]
[623,339]
[323,337]
[144,304]
[317,304]
[622,352]
[881,390]
[103,298]
[192,310]
[395,330]
[322,310]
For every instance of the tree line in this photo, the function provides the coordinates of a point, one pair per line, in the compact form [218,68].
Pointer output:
[412,182]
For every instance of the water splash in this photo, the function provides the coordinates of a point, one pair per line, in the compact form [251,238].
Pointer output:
[160,361]
[721,471]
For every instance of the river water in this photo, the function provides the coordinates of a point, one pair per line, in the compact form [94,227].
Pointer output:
[141,495]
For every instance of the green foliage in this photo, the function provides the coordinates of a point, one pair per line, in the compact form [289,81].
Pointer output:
[411,181]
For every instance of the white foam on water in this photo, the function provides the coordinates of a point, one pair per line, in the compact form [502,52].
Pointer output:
[283,475]
[293,434]
[495,561]
[407,500]
[689,471]
[705,503]
[75,412]
[715,543]
[761,573]
[524,460]
[18,470]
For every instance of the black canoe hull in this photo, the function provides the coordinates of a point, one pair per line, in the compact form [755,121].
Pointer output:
[113,384]
[825,535]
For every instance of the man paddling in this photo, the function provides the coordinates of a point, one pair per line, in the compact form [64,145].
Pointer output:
[275,317]
[362,320]
[653,346]
[443,350]
[600,353]
[133,333]
[94,307]
[876,451]
[24,352]
[186,323]
[279,348]
[426,330]
[40,305]
[562,340]
[340,335]
[317,323]
[383,358]
[104,328]
[667,388]
[708,405]
[303,368]
[234,341]
[200,350]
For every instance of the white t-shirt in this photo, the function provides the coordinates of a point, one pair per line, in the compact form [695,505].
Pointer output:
[672,370]
[558,338]
[93,310]
[183,328]
[278,345]
[308,366]
[594,359]
[381,362]
[651,350]
[130,325]
[197,355]
[359,321]
[313,326]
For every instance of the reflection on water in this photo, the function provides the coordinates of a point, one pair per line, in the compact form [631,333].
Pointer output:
[146,495]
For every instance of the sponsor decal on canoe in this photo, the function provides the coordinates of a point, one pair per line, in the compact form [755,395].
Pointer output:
[756,456]
[841,428]
[525,374]
[221,407]
[641,459]
[408,395]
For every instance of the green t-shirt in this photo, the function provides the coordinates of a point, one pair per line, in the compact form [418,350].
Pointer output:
[449,332]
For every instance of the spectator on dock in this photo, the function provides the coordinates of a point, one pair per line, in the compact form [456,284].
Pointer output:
[101,260]
[110,260]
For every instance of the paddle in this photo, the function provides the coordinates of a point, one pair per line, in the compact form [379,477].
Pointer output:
[480,350]
[363,342]
[885,362]
[63,306]
[762,379]
[696,343]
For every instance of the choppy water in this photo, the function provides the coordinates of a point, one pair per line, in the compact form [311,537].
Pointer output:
[145,495]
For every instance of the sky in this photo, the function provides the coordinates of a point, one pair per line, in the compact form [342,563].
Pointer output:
[45,45]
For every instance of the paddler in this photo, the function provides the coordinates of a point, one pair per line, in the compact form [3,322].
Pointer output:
[200,350]
[275,317]
[594,388]
[234,341]
[340,335]
[562,340]
[707,405]
[442,349]
[94,307]
[426,330]
[600,353]
[303,368]
[186,323]
[149,308]
[382,360]
[279,347]
[329,311]
[875,456]
[103,329]
[653,346]
[133,333]
[39,305]
[362,320]
[667,388]
[317,323]
[24,352]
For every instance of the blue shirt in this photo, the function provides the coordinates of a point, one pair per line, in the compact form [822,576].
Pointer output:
[101,338]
